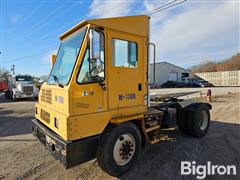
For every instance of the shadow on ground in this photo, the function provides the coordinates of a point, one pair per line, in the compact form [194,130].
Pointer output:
[162,160]
[10,126]
[5,100]
[221,146]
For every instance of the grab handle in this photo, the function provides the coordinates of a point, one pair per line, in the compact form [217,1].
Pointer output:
[154,61]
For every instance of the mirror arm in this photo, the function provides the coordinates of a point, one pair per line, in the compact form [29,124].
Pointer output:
[103,86]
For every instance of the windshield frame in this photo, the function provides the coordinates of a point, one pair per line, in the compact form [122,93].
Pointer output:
[76,60]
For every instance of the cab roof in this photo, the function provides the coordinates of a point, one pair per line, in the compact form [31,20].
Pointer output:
[138,25]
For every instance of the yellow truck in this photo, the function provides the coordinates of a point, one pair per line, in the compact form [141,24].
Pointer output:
[96,102]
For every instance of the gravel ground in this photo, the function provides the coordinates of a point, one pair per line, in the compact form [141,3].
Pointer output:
[23,157]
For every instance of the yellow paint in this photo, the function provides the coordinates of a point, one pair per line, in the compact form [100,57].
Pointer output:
[87,109]
[62,131]
[137,25]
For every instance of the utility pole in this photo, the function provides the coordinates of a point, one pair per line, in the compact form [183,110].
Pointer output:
[13,70]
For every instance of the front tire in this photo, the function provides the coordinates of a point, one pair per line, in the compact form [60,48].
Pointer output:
[119,148]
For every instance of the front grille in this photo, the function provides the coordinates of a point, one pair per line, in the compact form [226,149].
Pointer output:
[46,96]
[27,89]
[43,95]
[45,116]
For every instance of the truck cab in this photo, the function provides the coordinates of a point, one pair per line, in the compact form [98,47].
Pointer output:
[96,99]
[21,86]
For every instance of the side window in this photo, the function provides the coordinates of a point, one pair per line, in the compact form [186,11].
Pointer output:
[124,53]
[83,76]
[93,64]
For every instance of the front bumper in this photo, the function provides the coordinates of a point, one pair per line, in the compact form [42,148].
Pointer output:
[22,95]
[69,153]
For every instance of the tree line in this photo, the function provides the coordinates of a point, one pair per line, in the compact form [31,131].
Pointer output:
[230,64]
[4,74]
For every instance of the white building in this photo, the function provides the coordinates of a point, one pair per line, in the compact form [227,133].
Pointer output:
[222,78]
[168,72]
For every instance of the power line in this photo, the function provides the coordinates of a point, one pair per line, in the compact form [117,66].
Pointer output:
[32,12]
[40,53]
[57,29]
[47,22]
[113,8]
[160,7]
[25,57]
[45,36]
[62,27]
[165,6]
[40,22]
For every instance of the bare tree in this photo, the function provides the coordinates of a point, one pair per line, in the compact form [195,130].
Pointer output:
[230,64]
[4,74]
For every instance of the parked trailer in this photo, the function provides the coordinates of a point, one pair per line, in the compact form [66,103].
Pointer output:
[96,102]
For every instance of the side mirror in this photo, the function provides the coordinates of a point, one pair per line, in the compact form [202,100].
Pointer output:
[96,53]
[94,44]
[91,44]
[53,59]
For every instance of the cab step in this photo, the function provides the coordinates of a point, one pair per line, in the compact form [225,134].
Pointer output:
[154,141]
[157,138]
[152,125]
[152,128]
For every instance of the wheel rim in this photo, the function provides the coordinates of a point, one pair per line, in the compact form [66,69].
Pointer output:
[204,120]
[124,149]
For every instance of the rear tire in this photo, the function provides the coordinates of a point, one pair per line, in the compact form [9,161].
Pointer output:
[199,121]
[119,148]
[196,122]
[182,122]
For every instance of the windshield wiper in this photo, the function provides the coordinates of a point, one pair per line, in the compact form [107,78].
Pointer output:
[56,80]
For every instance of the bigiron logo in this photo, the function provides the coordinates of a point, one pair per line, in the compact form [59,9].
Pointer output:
[202,171]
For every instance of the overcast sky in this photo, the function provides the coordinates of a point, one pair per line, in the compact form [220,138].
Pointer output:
[185,35]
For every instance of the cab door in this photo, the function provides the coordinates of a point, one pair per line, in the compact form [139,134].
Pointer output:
[90,94]
[126,80]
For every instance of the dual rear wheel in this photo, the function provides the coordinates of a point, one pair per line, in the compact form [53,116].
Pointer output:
[194,122]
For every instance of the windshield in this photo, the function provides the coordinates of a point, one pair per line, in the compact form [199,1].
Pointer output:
[23,78]
[66,58]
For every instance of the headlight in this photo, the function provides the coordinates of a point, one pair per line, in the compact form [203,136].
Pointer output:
[59,99]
